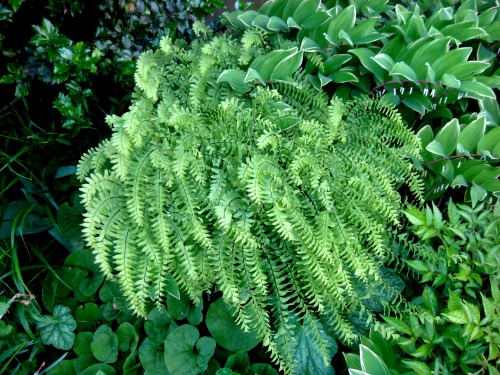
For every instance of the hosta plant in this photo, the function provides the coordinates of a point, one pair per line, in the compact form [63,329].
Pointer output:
[265,190]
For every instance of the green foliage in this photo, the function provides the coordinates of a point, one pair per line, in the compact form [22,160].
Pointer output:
[98,331]
[264,188]
[462,155]
[457,260]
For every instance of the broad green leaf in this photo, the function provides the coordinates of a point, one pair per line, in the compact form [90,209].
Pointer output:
[277,24]
[99,369]
[86,316]
[290,8]
[343,75]
[314,20]
[225,331]
[436,148]
[287,66]
[357,372]
[105,344]
[305,10]
[470,135]
[309,45]
[490,143]
[385,61]
[343,21]
[477,90]
[261,22]
[426,135]
[266,64]
[415,216]
[158,325]
[402,69]
[451,81]
[248,17]
[334,62]
[233,19]
[463,31]
[448,137]
[127,337]
[372,363]
[417,265]
[186,353]
[238,362]
[236,79]
[253,75]
[427,54]
[353,361]
[365,57]
[82,343]
[152,358]
[178,308]
[451,58]
[57,330]
[418,102]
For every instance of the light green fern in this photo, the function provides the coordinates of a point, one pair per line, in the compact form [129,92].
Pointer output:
[273,194]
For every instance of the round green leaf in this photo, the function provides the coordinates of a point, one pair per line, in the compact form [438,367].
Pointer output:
[225,331]
[127,337]
[186,353]
[152,358]
[105,344]
[99,368]
[82,343]
[86,316]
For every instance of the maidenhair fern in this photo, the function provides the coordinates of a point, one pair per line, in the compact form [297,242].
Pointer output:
[269,192]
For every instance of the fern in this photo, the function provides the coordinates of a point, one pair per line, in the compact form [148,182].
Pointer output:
[277,196]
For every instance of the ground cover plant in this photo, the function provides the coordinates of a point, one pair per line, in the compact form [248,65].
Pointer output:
[436,62]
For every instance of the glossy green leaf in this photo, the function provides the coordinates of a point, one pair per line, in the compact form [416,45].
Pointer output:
[463,31]
[334,62]
[225,331]
[152,358]
[266,64]
[448,137]
[105,344]
[430,300]
[402,69]
[490,143]
[451,58]
[305,10]
[57,330]
[277,24]
[398,324]
[427,54]
[385,61]
[365,57]
[309,45]
[426,135]
[456,316]
[236,79]
[418,102]
[186,353]
[419,367]
[371,362]
[86,316]
[343,75]
[343,21]
[288,66]
[127,337]
[450,81]
[470,135]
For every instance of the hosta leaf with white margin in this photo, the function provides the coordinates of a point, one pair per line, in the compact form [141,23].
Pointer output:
[57,329]
[279,197]
[423,53]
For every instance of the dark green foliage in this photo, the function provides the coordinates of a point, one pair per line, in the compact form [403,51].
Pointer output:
[457,260]
[271,192]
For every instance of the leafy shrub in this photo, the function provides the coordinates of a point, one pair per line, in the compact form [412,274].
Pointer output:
[458,262]
[263,189]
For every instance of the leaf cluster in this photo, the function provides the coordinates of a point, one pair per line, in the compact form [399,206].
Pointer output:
[457,261]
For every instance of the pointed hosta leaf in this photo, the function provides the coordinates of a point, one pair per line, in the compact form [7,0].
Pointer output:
[463,31]
[450,81]
[248,17]
[266,64]
[427,53]
[469,136]
[57,330]
[236,79]
[385,61]
[232,18]
[357,372]
[344,36]
[253,75]
[451,58]
[314,20]
[309,45]
[288,66]
[343,75]
[261,22]
[305,10]
[371,362]
[477,90]
[491,110]
[353,361]
[343,21]
[489,143]
[404,70]
[448,137]
[426,135]
[365,57]
[277,24]
[225,331]
[292,23]
[468,69]
[186,353]
[333,63]
[459,181]
[436,148]
[418,102]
